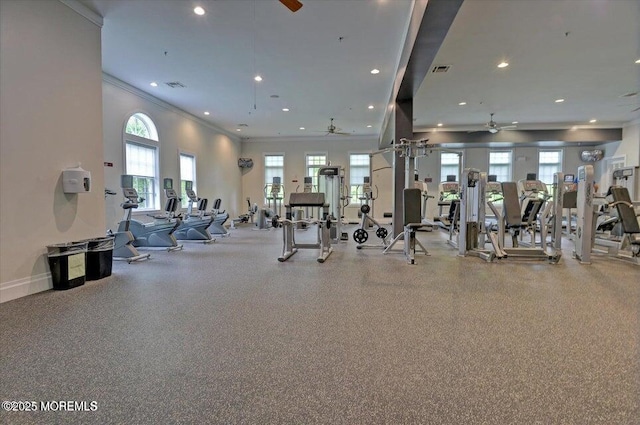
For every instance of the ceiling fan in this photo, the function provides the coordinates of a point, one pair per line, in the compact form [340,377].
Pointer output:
[292,5]
[493,126]
[332,129]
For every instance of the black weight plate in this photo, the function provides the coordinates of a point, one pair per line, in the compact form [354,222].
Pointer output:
[360,236]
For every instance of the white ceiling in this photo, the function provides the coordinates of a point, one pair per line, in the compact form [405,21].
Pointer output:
[583,51]
[317,76]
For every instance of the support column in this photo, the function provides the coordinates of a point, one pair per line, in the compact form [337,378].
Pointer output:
[403,119]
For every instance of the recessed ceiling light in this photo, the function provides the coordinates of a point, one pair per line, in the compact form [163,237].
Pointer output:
[301,128]
[514,122]
[198,11]
[369,126]
[503,64]
[593,120]
[370,106]
[375,71]
[439,124]
[559,100]
[257,78]
[237,129]
[153,84]
[637,60]
[285,109]
[206,112]
[462,103]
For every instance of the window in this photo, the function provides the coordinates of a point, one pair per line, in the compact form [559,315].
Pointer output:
[449,165]
[141,164]
[549,162]
[142,126]
[358,170]
[500,165]
[141,159]
[187,173]
[273,167]
[314,162]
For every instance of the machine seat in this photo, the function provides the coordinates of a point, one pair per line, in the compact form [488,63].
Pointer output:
[301,199]
[511,205]
[625,210]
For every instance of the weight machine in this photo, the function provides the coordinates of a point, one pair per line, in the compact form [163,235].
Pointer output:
[331,184]
[411,198]
[290,247]
[360,235]
[625,247]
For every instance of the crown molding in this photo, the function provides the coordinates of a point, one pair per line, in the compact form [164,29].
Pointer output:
[319,139]
[110,79]
[83,10]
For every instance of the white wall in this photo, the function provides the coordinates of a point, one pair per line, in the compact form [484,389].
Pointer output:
[629,149]
[338,151]
[51,114]
[217,171]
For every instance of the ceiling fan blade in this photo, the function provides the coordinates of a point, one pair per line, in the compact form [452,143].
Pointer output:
[292,5]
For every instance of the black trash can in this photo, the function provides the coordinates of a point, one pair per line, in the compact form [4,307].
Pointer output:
[68,264]
[99,257]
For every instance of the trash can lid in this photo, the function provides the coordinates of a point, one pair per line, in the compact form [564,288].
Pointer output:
[67,248]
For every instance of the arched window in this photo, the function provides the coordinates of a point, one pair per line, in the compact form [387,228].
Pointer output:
[141,156]
[142,126]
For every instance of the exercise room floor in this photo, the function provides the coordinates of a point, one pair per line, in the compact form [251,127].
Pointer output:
[225,334]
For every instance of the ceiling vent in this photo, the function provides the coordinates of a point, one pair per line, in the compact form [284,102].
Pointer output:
[440,68]
[176,85]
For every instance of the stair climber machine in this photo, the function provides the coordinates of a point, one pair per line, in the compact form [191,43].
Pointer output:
[123,238]
[193,226]
[157,234]
[360,235]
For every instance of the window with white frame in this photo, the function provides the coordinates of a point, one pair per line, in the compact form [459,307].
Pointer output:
[187,173]
[142,164]
[358,170]
[314,162]
[549,162]
[141,159]
[500,165]
[273,167]
[449,165]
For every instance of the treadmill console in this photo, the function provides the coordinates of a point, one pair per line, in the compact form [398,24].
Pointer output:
[450,187]
[191,195]
[130,193]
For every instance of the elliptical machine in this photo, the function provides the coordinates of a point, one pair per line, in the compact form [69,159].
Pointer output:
[219,218]
[158,233]
[123,238]
[193,227]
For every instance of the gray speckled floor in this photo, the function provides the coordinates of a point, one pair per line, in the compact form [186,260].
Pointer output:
[224,333]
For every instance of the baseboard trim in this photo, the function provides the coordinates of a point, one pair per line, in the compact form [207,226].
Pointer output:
[19,288]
